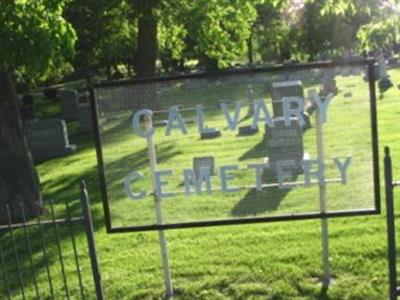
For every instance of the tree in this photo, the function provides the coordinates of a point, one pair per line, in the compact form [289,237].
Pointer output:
[218,30]
[97,24]
[146,53]
[172,34]
[383,30]
[272,31]
[34,37]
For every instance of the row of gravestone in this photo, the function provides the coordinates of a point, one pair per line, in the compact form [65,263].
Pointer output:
[71,109]
[48,138]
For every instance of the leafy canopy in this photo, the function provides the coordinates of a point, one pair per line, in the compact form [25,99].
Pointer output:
[34,35]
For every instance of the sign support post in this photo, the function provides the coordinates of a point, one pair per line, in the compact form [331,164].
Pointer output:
[159,216]
[391,228]
[323,200]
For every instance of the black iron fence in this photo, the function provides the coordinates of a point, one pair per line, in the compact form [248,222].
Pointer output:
[48,257]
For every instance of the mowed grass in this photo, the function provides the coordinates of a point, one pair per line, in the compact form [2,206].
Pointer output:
[261,261]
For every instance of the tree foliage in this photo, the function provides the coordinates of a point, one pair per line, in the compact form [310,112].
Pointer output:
[220,29]
[34,35]
[383,30]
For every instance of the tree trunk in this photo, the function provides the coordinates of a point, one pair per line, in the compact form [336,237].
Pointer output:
[19,182]
[146,54]
[250,50]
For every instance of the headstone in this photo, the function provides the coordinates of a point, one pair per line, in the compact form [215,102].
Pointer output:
[310,105]
[27,110]
[210,135]
[285,89]
[50,93]
[396,48]
[307,120]
[203,162]
[285,143]
[160,123]
[250,100]
[356,70]
[375,70]
[268,87]
[382,73]
[84,97]
[329,84]
[384,82]
[48,139]
[393,62]
[247,130]
[27,100]
[346,72]
[85,118]
[69,104]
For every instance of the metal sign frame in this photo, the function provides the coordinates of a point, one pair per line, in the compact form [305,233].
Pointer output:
[370,63]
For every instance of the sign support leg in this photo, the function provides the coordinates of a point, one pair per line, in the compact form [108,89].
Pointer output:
[390,222]
[159,216]
[323,201]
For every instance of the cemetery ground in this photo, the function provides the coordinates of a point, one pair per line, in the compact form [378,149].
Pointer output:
[260,261]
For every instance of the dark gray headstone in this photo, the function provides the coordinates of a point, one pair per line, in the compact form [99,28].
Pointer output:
[247,130]
[346,72]
[26,109]
[27,112]
[310,105]
[85,118]
[250,100]
[210,135]
[69,104]
[48,139]
[160,123]
[285,143]
[83,97]
[376,73]
[203,162]
[329,84]
[285,89]
[19,100]
[27,100]
[393,62]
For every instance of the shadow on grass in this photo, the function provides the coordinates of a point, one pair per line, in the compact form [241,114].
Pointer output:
[258,151]
[258,202]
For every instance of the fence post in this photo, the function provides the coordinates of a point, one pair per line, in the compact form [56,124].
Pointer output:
[88,224]
[391,233]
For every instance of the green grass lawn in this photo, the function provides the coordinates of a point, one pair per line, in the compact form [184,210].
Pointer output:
[262,261]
